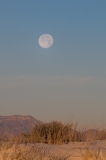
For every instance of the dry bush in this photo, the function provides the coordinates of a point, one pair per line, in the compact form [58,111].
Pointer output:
[53,133]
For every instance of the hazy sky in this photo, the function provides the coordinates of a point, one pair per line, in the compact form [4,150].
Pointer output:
[66,79]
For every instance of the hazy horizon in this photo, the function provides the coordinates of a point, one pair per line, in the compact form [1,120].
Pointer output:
[64,80]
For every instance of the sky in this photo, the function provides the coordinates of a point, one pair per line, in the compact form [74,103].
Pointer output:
[64,81]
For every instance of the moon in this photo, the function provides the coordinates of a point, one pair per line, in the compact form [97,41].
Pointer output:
[45,40]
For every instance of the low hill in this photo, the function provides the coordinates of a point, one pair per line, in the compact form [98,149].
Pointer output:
[16,124]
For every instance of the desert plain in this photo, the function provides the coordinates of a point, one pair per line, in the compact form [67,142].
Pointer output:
[40,151]
[26,138]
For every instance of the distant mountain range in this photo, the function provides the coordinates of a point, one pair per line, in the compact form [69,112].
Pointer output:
[16,124]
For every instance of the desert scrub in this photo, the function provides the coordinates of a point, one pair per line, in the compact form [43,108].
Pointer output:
[30,152]
[57,132]
[53,133]
[60,133]
[95,153]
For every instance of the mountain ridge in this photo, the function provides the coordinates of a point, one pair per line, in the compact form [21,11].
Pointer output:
[16,124]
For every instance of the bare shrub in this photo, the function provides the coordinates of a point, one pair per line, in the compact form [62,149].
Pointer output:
[53,133]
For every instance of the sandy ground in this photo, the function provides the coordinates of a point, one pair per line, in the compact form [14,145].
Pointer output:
[73,151]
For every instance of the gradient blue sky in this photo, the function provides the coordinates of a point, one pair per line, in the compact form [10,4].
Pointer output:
[55,83]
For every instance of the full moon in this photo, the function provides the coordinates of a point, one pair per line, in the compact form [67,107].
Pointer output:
[45,40]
